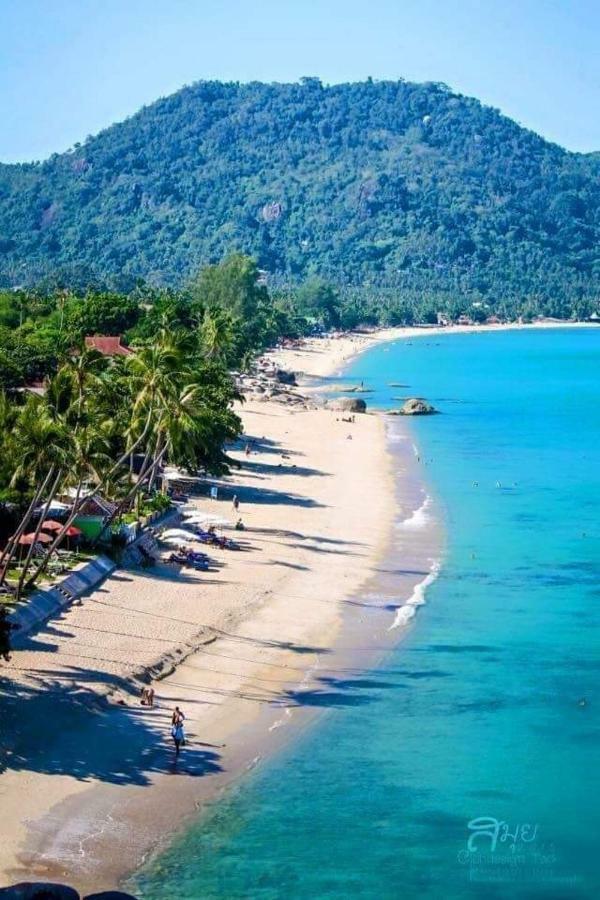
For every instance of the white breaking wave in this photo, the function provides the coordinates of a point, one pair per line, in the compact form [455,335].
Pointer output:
[280,722]
[417,519]
[406,612]
[396,437]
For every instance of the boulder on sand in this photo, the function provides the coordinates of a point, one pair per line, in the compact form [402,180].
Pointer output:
[347,404]
[416,406]
[285,377]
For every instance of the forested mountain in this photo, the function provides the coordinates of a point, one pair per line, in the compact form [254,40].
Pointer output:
[386,188]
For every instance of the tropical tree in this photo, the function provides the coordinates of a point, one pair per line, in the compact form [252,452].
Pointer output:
[89,464]
[39,448]
[217,334]
[234,289]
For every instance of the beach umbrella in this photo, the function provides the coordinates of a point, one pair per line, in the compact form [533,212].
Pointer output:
[72,532]
[179,533]
[173,541]
[58,506]
[31,538]
[191,512]
[51,525]
[206,519]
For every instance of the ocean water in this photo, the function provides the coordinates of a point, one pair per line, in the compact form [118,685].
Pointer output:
[488,706]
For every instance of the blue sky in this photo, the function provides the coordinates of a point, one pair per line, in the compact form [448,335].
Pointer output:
[69,68]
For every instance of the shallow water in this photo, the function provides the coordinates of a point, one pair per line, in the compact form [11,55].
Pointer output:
[488,707]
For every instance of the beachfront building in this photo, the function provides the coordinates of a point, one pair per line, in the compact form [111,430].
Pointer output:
[107,345]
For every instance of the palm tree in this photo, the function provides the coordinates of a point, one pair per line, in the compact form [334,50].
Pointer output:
[216,334]
[38,448]
[175,435]
[89,463]
[85,371]
[47,431]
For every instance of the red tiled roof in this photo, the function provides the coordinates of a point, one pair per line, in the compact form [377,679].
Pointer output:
[108,346]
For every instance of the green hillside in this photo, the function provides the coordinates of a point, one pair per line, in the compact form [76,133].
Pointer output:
[398,188]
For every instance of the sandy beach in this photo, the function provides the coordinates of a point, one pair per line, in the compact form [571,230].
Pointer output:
[87,777]
[318,357]
[87,783]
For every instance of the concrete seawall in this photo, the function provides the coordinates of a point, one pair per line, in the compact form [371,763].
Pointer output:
[47,602]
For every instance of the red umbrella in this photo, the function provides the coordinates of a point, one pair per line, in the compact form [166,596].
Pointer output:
[51,525]
[72,532]
[32,538]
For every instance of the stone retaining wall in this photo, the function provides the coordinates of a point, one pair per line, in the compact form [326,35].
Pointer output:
[47,602]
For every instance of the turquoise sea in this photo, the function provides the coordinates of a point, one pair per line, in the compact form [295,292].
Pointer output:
[489,707]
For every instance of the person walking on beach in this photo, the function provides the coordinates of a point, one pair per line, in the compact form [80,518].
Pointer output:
[178,717]
[177,732]
[147,696]
[236,502]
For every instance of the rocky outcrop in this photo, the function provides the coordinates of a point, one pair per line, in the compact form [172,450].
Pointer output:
[282,376]
[268,383]
[416,406]
[347,404]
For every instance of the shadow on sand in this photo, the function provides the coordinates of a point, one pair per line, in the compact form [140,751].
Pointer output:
[59,729]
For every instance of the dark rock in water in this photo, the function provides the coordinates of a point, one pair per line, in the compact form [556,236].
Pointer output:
[397,384]
[347,404]
[38,890]
[416,406]
[358,390]
[285,377]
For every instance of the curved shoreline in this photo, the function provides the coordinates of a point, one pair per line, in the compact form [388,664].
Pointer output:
[92,829]
[366,632]
[321,357]
[67,814]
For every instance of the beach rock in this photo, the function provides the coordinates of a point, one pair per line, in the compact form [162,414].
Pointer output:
[416,406]
[358,390]
[285,377]
[347,404]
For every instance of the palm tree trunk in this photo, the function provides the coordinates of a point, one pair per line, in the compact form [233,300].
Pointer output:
[158,455]
[60,535]
[12,544]
[131,494]
[27,562]
[75,509]
[127,453]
